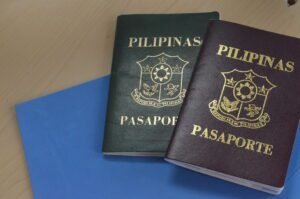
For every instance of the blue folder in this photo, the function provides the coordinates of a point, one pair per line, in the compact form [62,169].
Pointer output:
[62,136]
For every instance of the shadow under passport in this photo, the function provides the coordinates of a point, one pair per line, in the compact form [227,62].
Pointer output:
[184,179]
[137,159]
[209,187]
[212,188]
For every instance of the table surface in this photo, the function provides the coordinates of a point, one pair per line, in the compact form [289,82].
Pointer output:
[46,46]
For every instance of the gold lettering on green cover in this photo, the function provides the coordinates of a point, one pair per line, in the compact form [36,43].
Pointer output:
[160,81]
[243,99]
[148,42]
[148,120]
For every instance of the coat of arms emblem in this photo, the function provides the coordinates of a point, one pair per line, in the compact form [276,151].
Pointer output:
[160,82]
[243,99]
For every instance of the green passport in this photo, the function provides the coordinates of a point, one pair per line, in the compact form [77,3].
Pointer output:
[153,59]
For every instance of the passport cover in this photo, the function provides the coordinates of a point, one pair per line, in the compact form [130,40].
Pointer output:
[242,108]
[153,59]
[61,135]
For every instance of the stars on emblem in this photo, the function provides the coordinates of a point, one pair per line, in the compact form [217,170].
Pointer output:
[242,99]
[147,69]
[249,76]
[231,81]
[162,59]
[160,82]
[262,90]
[176,69]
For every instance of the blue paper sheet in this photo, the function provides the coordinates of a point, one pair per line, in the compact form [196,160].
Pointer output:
[62,137]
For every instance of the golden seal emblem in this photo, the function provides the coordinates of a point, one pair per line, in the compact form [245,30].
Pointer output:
[243,99]
[160,82]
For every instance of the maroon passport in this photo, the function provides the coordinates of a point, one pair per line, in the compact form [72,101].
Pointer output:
[240,116]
